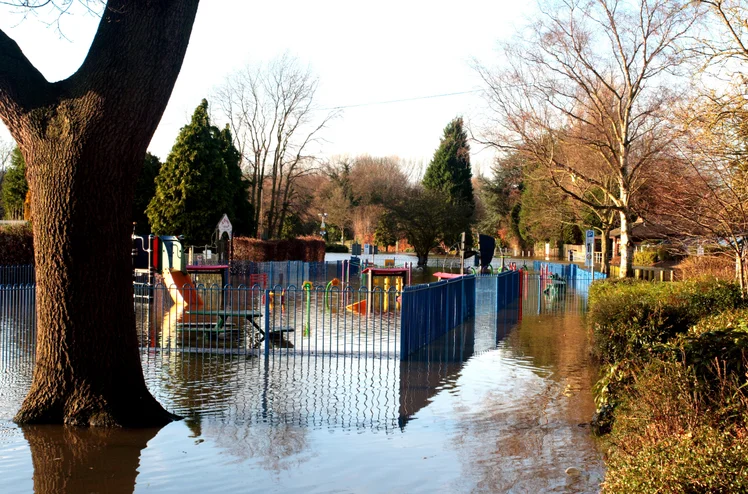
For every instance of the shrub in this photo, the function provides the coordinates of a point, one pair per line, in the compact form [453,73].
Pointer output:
[669,438]
[706,460]
[673,392]
[645,258]
[721,267]
[310,249]
[16,245]
[337,248]
[628,317]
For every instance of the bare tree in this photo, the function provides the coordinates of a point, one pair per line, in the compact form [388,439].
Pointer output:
[707,202]
[726,36]
[271,113]
[6,149]
[591,74]
[84,141]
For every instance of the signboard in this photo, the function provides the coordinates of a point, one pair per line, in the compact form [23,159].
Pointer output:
[224,226]
[700,250]
[589,248]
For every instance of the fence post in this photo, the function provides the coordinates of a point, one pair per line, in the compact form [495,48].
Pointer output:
[267,321]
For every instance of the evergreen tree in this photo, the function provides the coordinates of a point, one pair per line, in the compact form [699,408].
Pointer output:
[449,173]
[15,186]
[192,188]
[386,233]
[145,189]
[240,211]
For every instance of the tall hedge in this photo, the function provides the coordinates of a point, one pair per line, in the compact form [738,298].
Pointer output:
[310,249]
[16,245]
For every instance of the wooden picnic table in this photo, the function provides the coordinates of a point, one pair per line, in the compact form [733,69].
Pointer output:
[250,315]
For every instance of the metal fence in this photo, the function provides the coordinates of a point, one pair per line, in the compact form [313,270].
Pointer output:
[18,323]
[566,271]
[431,310]
[278,321]
[17,275]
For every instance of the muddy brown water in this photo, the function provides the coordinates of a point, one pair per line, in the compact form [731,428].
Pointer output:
[491,408]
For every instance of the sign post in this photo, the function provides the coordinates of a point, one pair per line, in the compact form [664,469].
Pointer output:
[589,247]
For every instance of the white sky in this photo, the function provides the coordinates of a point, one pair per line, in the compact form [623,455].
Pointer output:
[361,52]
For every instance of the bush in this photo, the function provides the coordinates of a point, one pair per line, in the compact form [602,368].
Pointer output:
[669,438]
[721,267]
[337,248]
[310,249]
[706,460]
[673,394]
[645,258]
[628,317]
[16,245]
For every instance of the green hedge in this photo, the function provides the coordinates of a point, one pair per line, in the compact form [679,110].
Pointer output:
[628,317]
[16,245]
[645,258]
[672,391]
[337,248]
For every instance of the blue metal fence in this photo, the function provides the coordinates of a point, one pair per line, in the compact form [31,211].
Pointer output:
[17,275]
[431,310]
[283,320]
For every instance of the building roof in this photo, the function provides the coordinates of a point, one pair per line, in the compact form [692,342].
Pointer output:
[642,230]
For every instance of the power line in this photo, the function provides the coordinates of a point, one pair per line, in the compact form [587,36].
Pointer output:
[404,100]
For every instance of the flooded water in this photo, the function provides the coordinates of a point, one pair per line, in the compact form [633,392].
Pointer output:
[490,408]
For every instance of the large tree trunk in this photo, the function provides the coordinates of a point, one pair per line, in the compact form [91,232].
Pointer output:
[627,249]
[88,366]
[84,141]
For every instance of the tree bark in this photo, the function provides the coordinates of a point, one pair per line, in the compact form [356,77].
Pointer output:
[627,250]
[604,250]
[84,141]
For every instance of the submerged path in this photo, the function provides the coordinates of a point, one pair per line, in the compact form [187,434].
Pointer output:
[490,408]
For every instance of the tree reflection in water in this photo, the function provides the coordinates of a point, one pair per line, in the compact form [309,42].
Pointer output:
[76,459]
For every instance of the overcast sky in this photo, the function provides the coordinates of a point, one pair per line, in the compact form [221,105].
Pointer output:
[366,55]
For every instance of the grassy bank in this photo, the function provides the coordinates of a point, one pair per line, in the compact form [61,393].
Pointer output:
[672,398]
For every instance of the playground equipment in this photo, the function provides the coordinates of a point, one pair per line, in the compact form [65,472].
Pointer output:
[445,276]
[382,278]
[329,293]
[307,286]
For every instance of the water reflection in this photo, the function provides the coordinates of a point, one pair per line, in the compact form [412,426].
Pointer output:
[74,460]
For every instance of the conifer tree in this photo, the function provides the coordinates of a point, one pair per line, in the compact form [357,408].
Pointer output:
[192,188]
[449,173]
[145,189]
[15,186]
[240,211]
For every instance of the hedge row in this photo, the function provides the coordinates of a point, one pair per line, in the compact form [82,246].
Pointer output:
[628,316]
[309,249]
[16,245]
[673,392]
